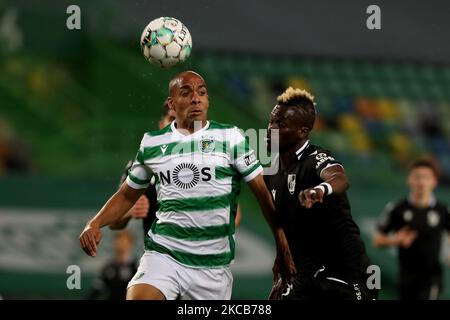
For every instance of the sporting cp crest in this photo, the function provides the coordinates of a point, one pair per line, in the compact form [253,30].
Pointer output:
[291,183]
[206,145]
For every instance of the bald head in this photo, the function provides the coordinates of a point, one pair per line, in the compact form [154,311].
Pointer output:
[188,98]
[180,78]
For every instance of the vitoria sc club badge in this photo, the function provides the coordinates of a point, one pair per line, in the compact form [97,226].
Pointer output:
[291,183]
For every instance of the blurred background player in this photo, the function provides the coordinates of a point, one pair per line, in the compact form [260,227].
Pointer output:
[309,191]
[114,276]
[415,225]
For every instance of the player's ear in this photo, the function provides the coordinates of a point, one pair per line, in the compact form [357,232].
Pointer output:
[170,104]
[304,132]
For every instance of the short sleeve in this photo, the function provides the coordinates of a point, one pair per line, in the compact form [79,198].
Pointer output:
[386,223]
[323,160]
[243,158]
[139,175]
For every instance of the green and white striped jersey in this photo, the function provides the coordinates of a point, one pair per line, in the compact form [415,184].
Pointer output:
[197,180]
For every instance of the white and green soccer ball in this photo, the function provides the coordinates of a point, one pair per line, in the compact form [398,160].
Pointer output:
[165,42]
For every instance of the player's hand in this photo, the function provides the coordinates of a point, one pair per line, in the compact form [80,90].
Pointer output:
[90,238]
[284,264]
[405,237]
[140,208]
[277,290]
[310,196]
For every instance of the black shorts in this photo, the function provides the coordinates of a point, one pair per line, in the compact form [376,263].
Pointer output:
[321,286]
[420,286]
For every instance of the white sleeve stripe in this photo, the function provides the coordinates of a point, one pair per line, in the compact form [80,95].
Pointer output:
[254,174]
[330,165]
[136,186]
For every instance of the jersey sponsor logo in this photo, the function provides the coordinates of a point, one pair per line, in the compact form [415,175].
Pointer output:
[291,183]
[185,175]
[206,144]
[249,159]
[274,193]
[323,157]
[163,149]
[407,215]
[433,218]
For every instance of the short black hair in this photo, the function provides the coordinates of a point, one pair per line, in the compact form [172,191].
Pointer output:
[426,163]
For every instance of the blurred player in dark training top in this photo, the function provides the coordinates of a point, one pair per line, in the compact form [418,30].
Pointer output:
[112,282]
[415,224]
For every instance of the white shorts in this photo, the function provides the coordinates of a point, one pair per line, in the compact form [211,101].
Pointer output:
[177,281]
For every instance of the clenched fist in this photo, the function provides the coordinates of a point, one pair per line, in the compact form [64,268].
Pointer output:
[308,197]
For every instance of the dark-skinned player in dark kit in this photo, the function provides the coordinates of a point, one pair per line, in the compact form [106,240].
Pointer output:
[309,191]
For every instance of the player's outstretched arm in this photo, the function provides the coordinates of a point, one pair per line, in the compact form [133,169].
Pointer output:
[117,206]
[402,238]
[381,240]
[284,264]
[121,223]
[334,181]
[138,211]
[337,178]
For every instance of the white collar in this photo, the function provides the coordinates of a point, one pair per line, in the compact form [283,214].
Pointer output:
[176,131]
[430,205]
[299,152]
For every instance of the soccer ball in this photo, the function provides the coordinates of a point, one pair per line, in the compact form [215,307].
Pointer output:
[165,42]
